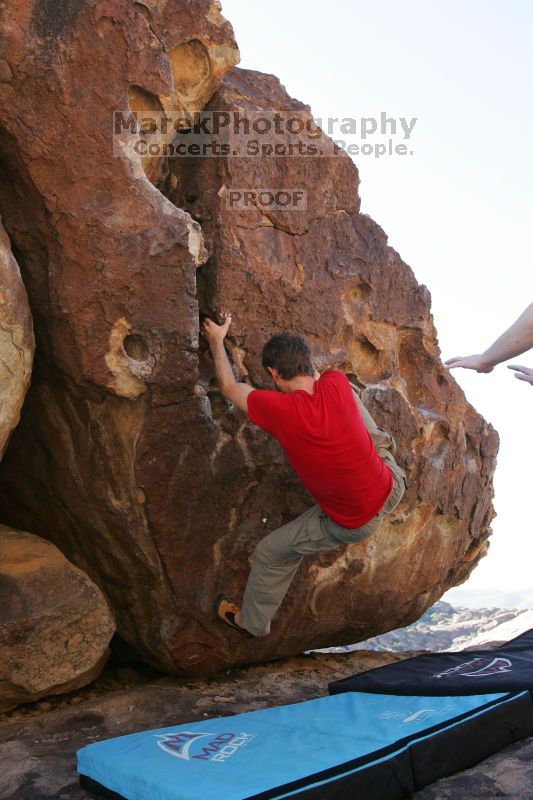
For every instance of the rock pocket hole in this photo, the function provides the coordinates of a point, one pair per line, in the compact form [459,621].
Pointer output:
[190,67]
[135,346]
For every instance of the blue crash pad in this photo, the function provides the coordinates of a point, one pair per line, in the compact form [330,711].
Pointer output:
[369,744]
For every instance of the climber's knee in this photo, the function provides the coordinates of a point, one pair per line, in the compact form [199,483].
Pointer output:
[271,550]
[263,552]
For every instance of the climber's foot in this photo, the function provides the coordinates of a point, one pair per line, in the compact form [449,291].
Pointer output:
[227,611]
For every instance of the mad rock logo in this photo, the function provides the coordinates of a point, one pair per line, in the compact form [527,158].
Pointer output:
[478,668]
[408,717]
[189,745]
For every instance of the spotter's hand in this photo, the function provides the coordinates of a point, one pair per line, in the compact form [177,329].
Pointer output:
[522,373]
[469,362]
[214,332]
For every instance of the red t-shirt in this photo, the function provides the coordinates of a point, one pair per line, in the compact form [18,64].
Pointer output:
[327,444]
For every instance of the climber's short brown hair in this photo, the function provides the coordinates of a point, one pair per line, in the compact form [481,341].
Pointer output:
[289,353]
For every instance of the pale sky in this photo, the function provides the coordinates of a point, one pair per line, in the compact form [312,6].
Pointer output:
[459,209]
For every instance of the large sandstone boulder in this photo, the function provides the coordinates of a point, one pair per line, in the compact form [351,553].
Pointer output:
[109,265]
[55,625]
[149,481]
[16,341]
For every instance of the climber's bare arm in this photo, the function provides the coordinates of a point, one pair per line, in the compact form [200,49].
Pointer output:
[514,341]
[234,391]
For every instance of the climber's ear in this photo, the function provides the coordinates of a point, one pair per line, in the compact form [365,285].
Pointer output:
[274,374]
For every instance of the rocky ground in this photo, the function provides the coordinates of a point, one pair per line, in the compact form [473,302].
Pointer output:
[116,676]
[508,774]
[37,747]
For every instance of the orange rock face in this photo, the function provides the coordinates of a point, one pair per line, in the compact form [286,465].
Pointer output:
[127,455]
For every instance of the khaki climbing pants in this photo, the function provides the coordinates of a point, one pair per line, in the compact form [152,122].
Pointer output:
[277,557]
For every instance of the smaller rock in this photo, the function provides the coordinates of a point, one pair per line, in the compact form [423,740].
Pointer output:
[55,625]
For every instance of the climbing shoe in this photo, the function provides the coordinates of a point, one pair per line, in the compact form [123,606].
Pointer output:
[226,611]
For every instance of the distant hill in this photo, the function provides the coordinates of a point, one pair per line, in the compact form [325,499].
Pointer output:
[444,627]
[504,632]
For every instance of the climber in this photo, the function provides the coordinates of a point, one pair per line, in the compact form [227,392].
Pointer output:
[513,342]
[343,459]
